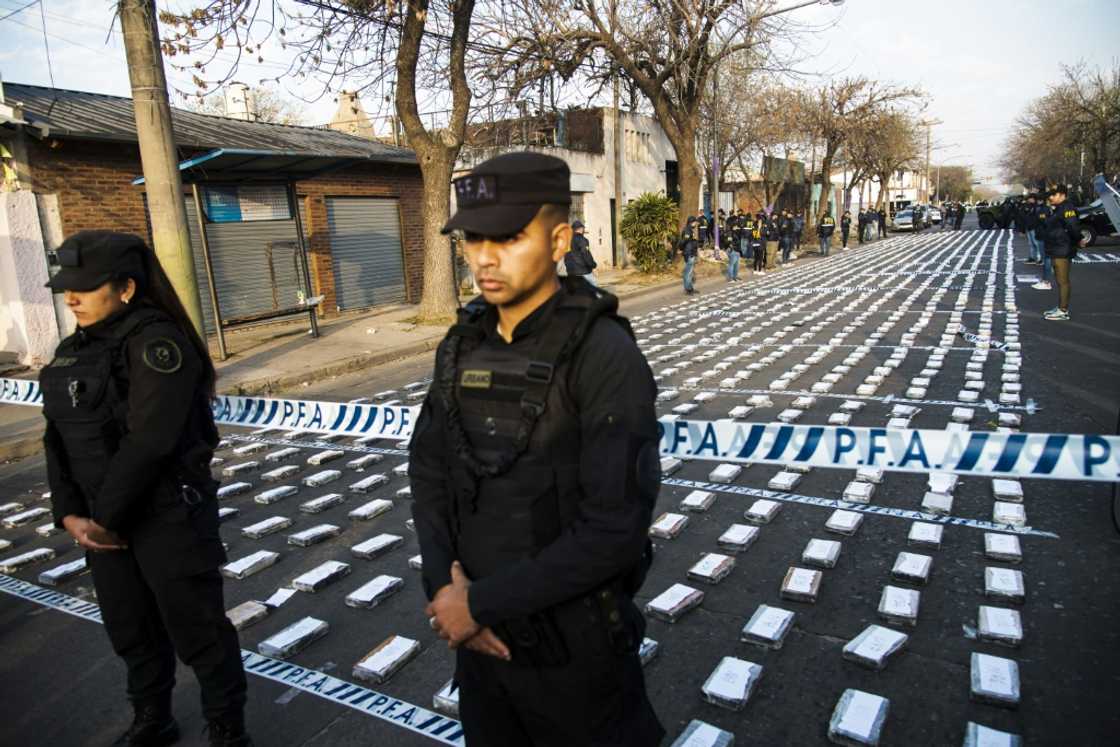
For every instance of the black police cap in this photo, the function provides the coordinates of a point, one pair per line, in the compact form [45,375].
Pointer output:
[91,258]
[502,195]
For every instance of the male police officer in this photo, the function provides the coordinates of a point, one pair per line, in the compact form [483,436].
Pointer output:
[534,466]
[689,246]
[1061,234]
[579,261]
[824,232]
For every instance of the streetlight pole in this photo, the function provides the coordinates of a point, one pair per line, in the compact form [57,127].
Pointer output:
[715,155]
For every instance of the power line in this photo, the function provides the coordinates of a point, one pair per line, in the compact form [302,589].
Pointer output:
[46,46]
[20,10]
[63,19]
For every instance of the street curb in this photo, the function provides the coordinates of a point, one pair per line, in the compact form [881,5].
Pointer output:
[22,448]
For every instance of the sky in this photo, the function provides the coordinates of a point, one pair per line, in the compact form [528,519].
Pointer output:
[980,63]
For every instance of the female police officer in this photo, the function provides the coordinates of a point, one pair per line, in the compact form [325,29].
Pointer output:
[129,440]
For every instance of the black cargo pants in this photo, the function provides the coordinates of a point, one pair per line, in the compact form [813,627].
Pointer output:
[163,596]
[597,699]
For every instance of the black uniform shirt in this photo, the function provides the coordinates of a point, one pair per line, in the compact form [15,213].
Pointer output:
[613,391]
[168,426]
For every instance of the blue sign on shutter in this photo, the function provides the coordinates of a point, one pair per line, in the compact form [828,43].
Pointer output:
[223,205]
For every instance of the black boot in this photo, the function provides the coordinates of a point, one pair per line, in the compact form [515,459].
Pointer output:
[152,726]
[228,732]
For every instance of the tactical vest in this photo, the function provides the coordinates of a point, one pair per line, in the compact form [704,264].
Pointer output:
[85,396]
[515,435]
[514,431]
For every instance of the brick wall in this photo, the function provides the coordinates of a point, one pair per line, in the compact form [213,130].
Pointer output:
[93,184]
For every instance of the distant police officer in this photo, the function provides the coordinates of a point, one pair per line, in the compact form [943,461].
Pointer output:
[579,260]
[129,438]
[733,251]
[534,466]
[824,232]
[689,247]
[1061,236]
[786,231]
[845,227]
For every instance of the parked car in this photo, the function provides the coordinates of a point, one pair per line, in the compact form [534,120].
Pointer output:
[1094,222]
[903,220]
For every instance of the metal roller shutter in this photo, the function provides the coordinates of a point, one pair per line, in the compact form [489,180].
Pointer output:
[248,279]
[366,252]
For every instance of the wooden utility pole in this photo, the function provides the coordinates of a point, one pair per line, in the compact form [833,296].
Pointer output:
[157,152]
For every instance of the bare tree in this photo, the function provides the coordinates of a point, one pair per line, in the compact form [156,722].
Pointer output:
[1091,99]
[419,48]
[1074,126]
[955,182]
[894,144]
[268,105]
[772,133]
[668,50]
[837,109]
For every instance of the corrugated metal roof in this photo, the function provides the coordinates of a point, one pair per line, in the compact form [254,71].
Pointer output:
[97,116]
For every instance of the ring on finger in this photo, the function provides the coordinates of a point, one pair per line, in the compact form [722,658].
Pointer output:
[432,621]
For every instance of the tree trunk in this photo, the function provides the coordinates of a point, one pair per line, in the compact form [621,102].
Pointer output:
[439,297]
[826,184]
[691,176]
[884,186]
[436,151]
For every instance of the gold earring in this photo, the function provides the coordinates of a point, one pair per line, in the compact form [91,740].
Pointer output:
[126,300]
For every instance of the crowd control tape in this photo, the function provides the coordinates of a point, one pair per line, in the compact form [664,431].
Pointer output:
[393,422]
[1034,455]
[336,418]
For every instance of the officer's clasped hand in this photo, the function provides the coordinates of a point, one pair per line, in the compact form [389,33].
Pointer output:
[451,611]
[450,616]
[92,536]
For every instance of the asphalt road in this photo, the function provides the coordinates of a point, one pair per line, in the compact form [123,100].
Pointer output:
[64,686]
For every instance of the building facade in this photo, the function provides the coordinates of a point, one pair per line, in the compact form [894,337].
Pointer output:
[358,203]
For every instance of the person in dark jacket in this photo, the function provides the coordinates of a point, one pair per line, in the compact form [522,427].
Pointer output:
[880,218]
[733,256]
[758,242]
[1030,227]
[861,226]
[824,232]
[845,227]
[959,217]
[787,229]
[689,247]
[129,437]
[579,262]
[534,469]
[1061,237]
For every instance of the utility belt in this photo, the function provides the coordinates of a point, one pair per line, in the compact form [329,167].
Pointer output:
[550,638]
